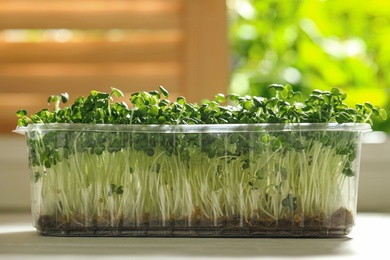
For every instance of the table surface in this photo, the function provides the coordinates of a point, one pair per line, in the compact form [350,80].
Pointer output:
[19,240]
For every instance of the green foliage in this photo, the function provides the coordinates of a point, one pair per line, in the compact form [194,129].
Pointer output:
[153,108]
[312,45]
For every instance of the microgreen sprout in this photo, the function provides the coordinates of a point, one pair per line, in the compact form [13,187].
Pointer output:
[64,97]
[247,174]
[153,108]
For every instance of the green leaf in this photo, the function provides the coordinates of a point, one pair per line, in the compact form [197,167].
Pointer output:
[342,118]
[112,190]
[64,97]
[155,93]
[118,93]
[52,98]
[99,104]
[163,103]
[383,113]
[247,105]
[317,92]
[348,172]
[220,98]
[102,95]
[37,176]
[277,87]
[297,95]
[335,91]
[369,105]
[233,97]
[258,101]
[22,121]
[260,175]
[181,100]
[93,93]
[266,138]
[290,202]
[164,92]
[281,139]
[21,113]
[149,151]
[119,190]
[153,111]
[162,120]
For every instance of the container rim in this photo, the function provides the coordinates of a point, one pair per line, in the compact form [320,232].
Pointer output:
[198,128]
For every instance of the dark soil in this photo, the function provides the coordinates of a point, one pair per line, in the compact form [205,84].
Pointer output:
[339,224]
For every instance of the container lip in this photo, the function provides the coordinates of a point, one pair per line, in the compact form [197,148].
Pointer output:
[199,128]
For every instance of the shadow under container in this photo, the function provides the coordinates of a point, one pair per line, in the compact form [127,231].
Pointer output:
[244,180]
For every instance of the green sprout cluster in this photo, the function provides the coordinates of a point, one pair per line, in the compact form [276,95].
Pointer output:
[154,108]
[268,165]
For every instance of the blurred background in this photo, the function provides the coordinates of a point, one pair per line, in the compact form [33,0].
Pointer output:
[195,48]
[312,44]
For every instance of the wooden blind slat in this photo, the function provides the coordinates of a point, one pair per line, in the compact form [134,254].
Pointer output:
[91,14]
[90,6]
[70,77]
[88,52]
[88,69]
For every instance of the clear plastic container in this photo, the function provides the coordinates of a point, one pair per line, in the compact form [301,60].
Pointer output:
[267,180]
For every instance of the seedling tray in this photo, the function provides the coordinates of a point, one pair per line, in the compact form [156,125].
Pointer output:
[231,180]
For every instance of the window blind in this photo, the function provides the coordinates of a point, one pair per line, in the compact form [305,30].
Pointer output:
[54,46]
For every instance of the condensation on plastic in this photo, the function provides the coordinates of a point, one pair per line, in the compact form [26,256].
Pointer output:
[152,180]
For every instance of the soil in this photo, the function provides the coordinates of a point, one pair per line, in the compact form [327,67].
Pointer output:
[339,224]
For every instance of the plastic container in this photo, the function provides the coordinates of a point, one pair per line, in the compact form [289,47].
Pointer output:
[267,180]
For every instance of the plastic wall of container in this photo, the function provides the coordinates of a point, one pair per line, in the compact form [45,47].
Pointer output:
[15,189]
[194,180]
